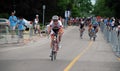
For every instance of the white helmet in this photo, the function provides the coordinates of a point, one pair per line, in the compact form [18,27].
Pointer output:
[37,15]
[55,17]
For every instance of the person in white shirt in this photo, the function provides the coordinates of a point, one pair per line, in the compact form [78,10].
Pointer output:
[37,25]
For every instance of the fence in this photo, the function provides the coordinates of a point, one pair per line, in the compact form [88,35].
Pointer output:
[3,34]
[111,37]
[6,37]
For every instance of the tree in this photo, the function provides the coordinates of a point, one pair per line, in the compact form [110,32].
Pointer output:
[107,8]
[28,8]
[85,7]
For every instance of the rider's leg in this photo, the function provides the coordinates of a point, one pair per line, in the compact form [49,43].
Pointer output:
[89,30]
[59,38]
[60,33]
[51,42]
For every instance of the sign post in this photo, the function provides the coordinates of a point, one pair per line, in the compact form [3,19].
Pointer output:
[67,15]
[44,15]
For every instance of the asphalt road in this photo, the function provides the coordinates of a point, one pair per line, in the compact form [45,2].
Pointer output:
[76,54]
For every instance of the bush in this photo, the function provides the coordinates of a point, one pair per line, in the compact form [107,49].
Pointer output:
[4,15]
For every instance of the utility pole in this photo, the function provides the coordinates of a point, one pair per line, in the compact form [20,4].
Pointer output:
[44,15]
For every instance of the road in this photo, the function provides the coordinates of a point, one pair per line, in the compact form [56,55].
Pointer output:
[75,55]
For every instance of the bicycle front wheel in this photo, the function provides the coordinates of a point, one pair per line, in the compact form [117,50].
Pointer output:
[53,57]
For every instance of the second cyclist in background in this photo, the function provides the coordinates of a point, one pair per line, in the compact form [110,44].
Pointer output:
[81,26]
[93,28]
[95,24]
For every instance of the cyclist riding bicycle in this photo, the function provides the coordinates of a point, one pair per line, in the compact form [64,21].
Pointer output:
[95,24]
[81,26]
[55,23]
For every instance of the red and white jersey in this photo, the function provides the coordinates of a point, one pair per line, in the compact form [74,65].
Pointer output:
[57,25]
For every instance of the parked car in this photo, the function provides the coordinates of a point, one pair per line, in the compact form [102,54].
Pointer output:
[4,21]
[3,24]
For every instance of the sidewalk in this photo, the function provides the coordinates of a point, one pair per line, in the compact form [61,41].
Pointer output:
[13,42]
[7,41]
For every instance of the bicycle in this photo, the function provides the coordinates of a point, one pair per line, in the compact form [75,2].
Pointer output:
[54,45]
[92,34]
[81,32]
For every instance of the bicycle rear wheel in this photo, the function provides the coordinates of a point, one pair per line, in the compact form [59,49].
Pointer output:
[93,38]
[81,34]
[55,54]
[53,57]
[90,35]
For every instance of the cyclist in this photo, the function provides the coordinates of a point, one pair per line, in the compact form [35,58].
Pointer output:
[55,22]
[95,24]
[81,26]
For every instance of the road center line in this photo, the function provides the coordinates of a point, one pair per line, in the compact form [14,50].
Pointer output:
[76,58]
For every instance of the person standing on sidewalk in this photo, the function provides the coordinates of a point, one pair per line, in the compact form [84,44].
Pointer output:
[13,21]
[21,27]
[36,25]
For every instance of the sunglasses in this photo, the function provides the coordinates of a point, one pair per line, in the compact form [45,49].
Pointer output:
[55,20]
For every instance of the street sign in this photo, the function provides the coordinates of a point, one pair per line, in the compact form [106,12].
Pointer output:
[67,13]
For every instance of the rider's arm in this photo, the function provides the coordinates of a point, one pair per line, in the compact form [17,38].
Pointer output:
[50,27]
[49,30]
[61,27]
[60,23]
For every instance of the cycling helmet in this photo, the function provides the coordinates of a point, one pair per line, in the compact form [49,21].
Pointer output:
[37,15]
[55,17]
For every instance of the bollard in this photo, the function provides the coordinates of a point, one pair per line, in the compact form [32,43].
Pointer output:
[7,33]
[119,45]
[30,32]
[118,51]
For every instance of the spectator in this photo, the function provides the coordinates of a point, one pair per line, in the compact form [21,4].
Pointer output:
[21,27]
[118,32]
[13,22]
[36,25]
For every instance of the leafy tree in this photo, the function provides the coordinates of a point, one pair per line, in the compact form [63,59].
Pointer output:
[107,8]
[28,8]
[102,10]
[84,7]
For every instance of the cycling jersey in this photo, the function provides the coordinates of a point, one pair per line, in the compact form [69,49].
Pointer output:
[58,25]
[81,25]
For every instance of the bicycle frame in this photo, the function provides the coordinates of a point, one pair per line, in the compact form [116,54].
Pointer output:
[81,32]
[55,47]
[55,43]
[92,34]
